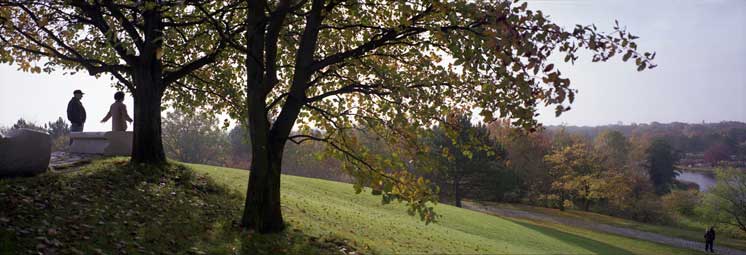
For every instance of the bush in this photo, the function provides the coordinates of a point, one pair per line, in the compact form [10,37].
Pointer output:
[681,201]
[61,143]
[649,210]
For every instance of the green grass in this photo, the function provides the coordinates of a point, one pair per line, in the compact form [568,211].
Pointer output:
[710,170]
[325,208]
[684,228]
[113,207]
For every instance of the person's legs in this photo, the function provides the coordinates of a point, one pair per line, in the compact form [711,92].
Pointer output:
[74,127]
[712,246]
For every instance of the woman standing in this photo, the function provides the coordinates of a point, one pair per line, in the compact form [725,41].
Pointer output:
[118,113]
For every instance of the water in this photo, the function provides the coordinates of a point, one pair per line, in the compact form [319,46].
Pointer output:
[704,180]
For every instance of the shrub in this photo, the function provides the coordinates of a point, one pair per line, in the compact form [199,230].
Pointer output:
[649,210]
[681,201]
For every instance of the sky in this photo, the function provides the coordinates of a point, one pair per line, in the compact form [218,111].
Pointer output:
[701,73]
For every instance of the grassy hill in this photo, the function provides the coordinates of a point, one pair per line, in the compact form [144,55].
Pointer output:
[684,228]
[110,206]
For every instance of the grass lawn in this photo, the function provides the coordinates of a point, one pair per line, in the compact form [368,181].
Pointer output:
[684,228]
[325,208]
[112,207]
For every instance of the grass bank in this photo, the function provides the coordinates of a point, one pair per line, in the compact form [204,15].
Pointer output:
[112,207]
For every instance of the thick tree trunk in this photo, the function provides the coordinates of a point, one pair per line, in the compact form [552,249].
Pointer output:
[262,210]
[147,146]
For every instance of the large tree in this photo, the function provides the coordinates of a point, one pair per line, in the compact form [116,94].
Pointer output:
[392,67]
[146,47]
[661,161]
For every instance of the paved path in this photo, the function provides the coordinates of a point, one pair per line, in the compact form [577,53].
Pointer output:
[658,238]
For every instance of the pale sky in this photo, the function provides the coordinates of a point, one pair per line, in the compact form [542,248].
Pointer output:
[701,73]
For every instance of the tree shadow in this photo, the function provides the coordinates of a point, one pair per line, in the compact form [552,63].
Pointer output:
[111,206]
[591,245]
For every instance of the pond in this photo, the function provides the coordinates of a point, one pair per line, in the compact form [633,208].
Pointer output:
[704,180]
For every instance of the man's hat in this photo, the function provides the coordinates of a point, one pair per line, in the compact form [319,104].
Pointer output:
[77,91]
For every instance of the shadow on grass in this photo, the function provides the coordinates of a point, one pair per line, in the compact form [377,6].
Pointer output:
[591,245]
[111,206]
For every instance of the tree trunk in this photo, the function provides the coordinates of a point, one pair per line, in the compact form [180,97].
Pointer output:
[262,211]
[457,193]
[147,146]
[587,205]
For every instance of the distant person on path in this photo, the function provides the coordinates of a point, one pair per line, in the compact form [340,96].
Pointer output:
[710,239]
[118,113]
[76,112]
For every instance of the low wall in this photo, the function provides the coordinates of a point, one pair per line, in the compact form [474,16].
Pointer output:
[105,143]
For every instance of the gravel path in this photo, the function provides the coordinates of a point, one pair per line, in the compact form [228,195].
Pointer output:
[658,238]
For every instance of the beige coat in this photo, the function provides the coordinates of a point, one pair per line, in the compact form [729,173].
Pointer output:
[119,116]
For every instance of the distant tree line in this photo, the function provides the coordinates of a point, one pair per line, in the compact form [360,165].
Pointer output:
[631,176]
[715,141]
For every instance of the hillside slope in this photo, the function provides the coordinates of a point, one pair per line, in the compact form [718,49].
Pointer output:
[325,208]
[111,207]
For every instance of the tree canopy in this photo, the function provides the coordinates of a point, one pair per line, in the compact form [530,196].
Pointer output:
[146,47]
[392,67]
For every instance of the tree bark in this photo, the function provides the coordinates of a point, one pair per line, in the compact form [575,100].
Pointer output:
[457,194]
[262,211]
[147,146]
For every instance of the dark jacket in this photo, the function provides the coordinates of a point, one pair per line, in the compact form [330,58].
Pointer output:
[710,235]
[75,111]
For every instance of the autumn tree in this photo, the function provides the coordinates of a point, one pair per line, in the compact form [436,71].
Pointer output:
[717,152]
[392,67]
[613,148]
[525,159]
[577,175]
[147,47]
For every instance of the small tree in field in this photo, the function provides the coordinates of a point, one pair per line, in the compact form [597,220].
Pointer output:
[465,157]
[392,67]
[195,137]
[726,202]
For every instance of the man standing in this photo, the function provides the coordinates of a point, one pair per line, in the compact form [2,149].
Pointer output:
[710,239]
[76,112]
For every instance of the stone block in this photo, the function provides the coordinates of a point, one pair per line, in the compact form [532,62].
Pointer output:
[105,143]
[24,152]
